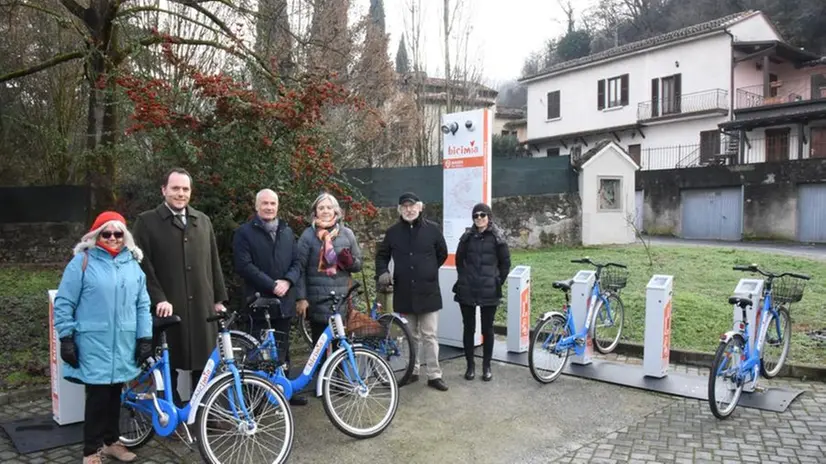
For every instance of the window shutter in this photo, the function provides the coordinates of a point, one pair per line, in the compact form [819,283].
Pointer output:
[553,104]
[601,94]
[655,97]
[624,90]
[678,92]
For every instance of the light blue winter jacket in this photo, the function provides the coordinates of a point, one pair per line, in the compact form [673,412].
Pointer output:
[107,311]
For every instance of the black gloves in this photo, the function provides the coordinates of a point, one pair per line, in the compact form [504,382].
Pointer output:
[143,350]
[68,351]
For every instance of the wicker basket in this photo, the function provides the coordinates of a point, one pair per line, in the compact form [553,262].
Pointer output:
[788,289]
[361,325]
[613,278]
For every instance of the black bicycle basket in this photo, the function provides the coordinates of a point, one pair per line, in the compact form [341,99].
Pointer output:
[788,289]
[613,278]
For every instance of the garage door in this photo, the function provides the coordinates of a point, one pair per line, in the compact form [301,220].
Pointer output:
[714,214]
[811,213]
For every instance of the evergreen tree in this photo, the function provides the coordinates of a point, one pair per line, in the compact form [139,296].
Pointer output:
[402,62]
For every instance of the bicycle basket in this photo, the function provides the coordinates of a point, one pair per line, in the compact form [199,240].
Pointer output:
[362,325]
[788,289]
[613,278]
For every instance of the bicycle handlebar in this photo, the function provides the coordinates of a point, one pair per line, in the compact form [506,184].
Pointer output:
[587,260]
[337,300]
[771,275]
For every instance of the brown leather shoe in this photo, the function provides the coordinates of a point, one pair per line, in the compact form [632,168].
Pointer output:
[118,451]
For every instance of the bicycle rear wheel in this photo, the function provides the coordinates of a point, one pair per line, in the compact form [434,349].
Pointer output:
[724,387]
[226,434]
[607,323]
[775,340]
[346,399]
[543,346]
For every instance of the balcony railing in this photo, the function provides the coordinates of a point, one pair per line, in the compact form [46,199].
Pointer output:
[781,91]
[686,104]
[754,150]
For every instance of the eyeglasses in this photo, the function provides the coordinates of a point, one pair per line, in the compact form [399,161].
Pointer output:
[480,215]
[106,234]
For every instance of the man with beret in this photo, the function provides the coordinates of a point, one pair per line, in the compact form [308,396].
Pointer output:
[418,248]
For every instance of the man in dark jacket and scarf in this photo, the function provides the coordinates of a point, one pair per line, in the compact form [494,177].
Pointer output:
[264,255]
[418,249]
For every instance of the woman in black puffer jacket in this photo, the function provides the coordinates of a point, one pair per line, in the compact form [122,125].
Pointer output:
[482,262]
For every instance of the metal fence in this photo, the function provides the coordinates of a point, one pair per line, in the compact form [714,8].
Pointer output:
[696,102]
[511,177]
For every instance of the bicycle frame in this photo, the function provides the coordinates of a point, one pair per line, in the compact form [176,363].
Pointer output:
[595,302]
[166,416]
[748,369]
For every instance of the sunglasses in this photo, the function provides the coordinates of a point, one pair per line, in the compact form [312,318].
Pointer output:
[480,215]
[106,234]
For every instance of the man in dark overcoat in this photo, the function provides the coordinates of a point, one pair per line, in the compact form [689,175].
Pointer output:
[183,274]
[417,247]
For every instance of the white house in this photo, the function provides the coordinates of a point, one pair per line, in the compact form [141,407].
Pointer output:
[661,99]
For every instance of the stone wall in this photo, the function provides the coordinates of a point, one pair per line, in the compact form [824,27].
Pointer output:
[39,243]
[769,194]
[528,221]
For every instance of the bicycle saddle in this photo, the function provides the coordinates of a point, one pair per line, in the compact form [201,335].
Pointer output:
[742,302]
[563,284]
[159,324]
[261,302]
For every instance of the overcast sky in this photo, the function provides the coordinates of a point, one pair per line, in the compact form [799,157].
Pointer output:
[504,32]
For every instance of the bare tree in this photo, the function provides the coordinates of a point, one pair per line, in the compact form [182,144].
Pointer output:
[108,36]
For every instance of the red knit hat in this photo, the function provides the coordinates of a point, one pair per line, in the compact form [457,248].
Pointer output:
[105,217]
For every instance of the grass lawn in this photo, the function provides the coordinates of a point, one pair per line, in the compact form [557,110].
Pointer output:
[703,281]
[24,339]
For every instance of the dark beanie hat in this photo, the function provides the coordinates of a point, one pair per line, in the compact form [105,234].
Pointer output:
[408,196]
[482,208]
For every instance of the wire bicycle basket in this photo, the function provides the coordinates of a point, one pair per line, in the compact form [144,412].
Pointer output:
[788,289]
[613,278]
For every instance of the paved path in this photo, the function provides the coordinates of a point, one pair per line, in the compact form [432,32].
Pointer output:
[811,251]
[515,420]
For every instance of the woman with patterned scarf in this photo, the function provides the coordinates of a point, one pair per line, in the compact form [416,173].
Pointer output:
[328,253]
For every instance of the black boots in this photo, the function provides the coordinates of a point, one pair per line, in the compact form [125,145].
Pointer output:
[486,374]
[470,373]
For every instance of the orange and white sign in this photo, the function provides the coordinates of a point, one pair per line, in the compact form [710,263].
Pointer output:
[466,162]
[466,172]
[68,399]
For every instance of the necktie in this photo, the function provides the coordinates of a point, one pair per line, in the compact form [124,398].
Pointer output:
[179,219]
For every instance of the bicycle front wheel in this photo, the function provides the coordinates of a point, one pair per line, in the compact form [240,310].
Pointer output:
[724,383]
[360,398]
[606,326]
[234,424]
[776,343]
[545,361]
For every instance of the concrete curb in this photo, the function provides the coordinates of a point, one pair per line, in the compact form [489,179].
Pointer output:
[25,394]
[804,372]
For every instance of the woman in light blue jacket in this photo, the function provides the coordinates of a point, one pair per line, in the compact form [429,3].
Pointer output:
[101,314]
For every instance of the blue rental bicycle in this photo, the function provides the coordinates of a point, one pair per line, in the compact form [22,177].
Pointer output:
[236,413]
[351,380]
[556,334]
[739,359]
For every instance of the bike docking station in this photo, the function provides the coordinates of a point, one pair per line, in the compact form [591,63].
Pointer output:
[654,373]
[519,309]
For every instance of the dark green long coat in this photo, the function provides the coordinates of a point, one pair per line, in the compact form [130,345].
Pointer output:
[183,268]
